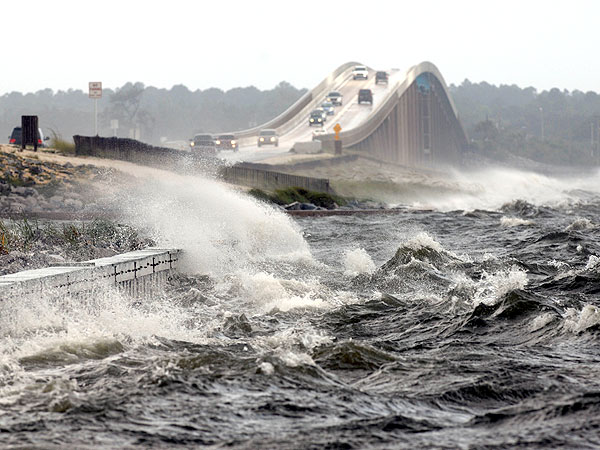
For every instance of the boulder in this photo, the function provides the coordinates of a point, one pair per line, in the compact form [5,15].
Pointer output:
[24,191]
[297,206]
[4,188]
[73,204]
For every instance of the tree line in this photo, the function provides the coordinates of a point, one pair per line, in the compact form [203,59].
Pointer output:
[558,127]
[554,126]
[153,115]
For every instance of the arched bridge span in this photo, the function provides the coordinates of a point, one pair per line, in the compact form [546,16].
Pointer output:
[412,121]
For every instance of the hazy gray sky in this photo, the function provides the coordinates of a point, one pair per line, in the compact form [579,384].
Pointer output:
[226,43]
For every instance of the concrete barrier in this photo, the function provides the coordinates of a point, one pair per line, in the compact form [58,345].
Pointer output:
[137,273]
[307,147]
[258,177]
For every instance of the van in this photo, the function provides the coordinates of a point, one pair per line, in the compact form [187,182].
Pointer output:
[365,96]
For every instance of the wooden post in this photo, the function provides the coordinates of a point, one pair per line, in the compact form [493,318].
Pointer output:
[29,131]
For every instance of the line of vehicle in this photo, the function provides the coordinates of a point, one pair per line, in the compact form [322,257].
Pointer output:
[314,104]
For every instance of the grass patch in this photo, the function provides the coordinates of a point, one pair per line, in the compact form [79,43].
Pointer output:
[16,181]
[20,235]
[261,195]
[78,240]
[62,145]
[298,194]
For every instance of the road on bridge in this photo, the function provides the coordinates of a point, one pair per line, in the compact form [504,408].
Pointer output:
[349,115]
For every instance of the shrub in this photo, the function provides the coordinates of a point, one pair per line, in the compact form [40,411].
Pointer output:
[297,194]
[61,144]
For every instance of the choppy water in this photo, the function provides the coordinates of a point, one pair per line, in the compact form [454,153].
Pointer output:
[433,327]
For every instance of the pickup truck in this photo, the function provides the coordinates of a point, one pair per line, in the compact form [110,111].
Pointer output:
[203,144]
[360,72]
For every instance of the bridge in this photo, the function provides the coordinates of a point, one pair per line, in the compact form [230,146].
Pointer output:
[412,121]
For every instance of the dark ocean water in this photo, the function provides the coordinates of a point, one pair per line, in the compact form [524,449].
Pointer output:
[433,327]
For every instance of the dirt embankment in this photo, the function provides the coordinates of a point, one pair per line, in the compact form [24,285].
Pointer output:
[36,186]
[51,185]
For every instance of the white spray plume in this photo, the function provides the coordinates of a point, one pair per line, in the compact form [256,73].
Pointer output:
[490,189]
[219,229]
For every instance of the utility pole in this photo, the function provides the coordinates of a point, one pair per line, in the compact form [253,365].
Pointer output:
[592,140]
[598,142]
[95,92]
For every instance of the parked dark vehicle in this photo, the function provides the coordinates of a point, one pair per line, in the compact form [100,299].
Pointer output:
[316,118]
[204,144]
[335,98]
[15,137]
[365,96]
[268,137]
[381,77]
[227,142]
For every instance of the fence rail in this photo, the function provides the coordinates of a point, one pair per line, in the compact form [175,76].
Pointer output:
[127,150]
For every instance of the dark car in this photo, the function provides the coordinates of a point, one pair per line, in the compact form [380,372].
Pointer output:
[365,96]
[335,98]
[15,137]
[226,142]
[204,144]
[316,117]
[328,108]
[268,137]
[381,77]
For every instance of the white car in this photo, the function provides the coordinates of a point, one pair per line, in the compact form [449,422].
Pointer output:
[360,72]
[316,134]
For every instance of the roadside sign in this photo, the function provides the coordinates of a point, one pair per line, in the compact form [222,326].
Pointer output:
[95,89]
[337,128]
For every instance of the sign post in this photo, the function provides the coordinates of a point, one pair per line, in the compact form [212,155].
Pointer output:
[114,125]
[337,128]
[95,93]
[338,144]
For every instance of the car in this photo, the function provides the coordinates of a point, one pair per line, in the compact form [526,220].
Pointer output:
[328,108]
[316,117]
[323,113]
[268,137]
[365,96]
[317,133]
[15,137]
[381,77]
[227,142]
[335,98]
[203,144]
[360,72]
